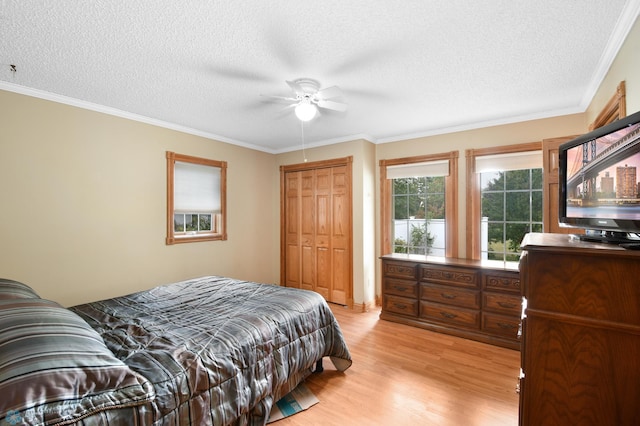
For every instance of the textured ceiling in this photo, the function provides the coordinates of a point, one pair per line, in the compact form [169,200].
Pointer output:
[407,68]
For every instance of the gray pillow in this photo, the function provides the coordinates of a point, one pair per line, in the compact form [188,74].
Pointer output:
[55,368]
[10,289]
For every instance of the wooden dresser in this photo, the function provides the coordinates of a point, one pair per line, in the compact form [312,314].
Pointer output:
[470,299]
[581,333]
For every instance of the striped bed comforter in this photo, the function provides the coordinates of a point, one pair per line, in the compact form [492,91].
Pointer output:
[217,351]
[208,351]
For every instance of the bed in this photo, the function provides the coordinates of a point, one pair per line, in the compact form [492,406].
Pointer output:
[207,351]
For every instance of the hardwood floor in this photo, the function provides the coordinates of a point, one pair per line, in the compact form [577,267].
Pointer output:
[406,375]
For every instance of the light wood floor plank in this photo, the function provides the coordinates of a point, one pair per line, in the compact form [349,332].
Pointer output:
[406,375]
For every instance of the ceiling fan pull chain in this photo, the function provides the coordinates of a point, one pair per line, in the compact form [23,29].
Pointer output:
[304,155]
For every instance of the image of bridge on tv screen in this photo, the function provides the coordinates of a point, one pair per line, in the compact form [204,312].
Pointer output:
[604,171]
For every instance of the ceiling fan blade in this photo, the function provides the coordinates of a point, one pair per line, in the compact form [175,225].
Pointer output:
[237,73]
[330,92]
[335,106]
[297,89]
[281,99]
[367,59]
[283,112]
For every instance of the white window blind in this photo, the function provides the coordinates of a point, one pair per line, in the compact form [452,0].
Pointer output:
[511,161]
[429,169]
[196,188]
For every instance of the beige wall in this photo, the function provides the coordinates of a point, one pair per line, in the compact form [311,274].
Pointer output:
[83,212]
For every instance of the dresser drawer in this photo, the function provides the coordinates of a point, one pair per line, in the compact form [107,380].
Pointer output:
[504,281]
[500,325]
[400,287]
[399,270]
[450,275]
[502,303]
[450,315]
[401,305]
[450,295]
[575,285]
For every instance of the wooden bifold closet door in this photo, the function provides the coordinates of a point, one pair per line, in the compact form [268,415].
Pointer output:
[316,234]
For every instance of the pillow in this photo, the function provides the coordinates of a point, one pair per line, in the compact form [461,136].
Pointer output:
[10,289]
[55,368]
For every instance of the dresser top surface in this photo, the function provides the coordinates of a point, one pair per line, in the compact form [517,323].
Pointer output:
[450,261]
[568,243]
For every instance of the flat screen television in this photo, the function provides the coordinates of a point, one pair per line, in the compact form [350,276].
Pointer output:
[599,186]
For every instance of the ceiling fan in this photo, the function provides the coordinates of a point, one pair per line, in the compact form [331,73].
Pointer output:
[308,97]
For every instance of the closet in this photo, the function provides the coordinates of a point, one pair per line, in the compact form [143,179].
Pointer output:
[316,228]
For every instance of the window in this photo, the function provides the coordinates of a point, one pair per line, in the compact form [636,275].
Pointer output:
[196,199]
[511,207]
[419,205]
[505,191]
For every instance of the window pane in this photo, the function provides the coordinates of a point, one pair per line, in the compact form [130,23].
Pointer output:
[178,223]
[416,207]
[435,206]
[400,207]
[399,186]
[421,239]
[515,234]
[402,232]
[496,236]
[205,222]
[517,179]
[493,205]
[517,206]
[536,179]
[435,184]
[536,206]
[399,246]
[492,181]
[512,257]
[191,222]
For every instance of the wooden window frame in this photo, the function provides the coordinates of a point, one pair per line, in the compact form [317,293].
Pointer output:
[220,233]
[473,190]
[615,109]
[451,200]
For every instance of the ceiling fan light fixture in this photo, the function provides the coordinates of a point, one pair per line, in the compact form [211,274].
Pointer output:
[305,110]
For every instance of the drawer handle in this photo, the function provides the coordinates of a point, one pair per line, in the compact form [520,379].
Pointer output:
[400,305]
[506,326]
[448,315]
[507,305]
[448,295]
[399,288]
